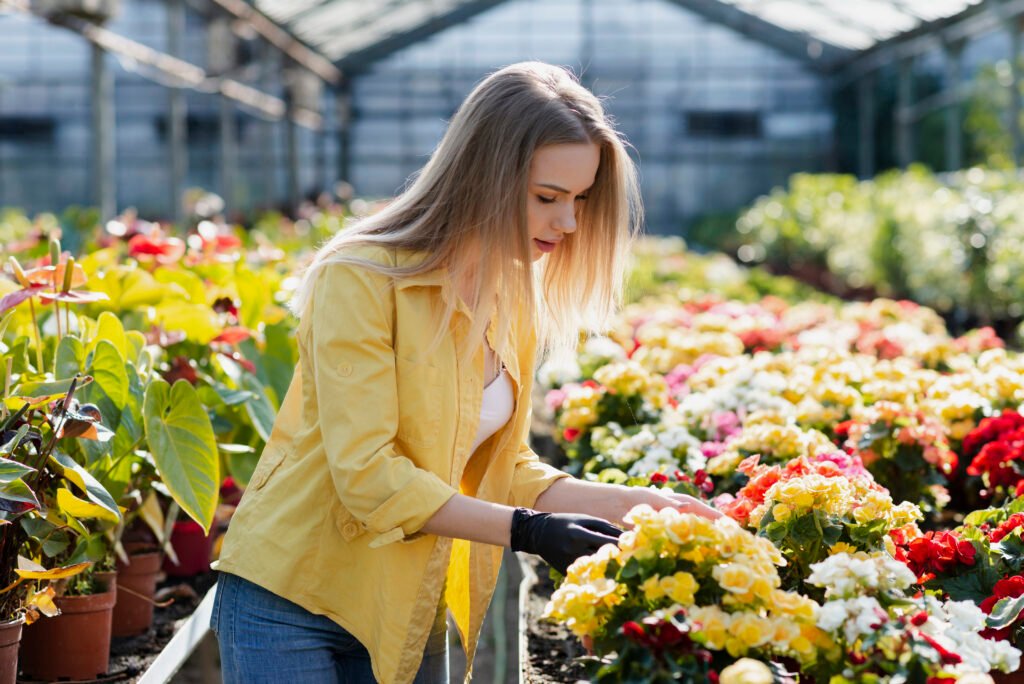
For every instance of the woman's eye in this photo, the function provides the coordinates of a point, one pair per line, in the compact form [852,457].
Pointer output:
[546,200]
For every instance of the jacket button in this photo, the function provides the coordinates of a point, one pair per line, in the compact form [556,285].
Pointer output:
[350,529]
[345,369]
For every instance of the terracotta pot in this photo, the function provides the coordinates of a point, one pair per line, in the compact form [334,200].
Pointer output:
[73,645]
[136,583]
[192,547]
[10,637]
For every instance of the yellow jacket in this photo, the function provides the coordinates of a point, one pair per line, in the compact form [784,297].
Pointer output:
[371,440]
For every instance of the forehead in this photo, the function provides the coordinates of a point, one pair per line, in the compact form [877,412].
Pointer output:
[572,166]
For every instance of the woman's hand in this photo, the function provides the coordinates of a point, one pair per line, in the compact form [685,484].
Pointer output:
[658,499]
[612,502]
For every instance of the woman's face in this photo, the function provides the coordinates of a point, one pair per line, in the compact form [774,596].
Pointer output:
[560,176]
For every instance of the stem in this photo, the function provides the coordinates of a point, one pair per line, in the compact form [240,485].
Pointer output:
[117,460]
[56,303]
[35,326]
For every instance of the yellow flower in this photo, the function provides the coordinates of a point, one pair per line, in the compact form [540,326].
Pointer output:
[842,547]
[781,512]
[746,671]
[712,626]
[733,577]
[680,587]
[652,589]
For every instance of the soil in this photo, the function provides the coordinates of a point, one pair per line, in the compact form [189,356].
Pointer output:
[551,649]
[130,656]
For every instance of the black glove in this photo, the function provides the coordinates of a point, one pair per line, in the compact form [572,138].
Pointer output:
[560,538]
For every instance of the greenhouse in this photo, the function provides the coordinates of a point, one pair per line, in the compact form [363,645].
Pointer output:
[537,341]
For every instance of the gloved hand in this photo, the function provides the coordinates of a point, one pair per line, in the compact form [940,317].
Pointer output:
[560,538]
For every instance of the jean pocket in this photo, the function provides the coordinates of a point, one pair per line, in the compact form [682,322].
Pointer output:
[223,581]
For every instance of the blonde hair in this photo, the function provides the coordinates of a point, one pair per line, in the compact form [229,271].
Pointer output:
[473,191]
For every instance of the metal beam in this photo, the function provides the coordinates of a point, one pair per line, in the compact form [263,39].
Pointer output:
[820,54]
[228,155]
[283,40]
[973,21]
[361,59]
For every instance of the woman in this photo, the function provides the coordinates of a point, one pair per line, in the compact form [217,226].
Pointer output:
[399,464]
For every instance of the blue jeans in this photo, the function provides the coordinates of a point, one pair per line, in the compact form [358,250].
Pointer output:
[265,638]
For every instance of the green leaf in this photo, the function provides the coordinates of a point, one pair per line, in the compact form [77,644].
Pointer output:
[109,390]
[968,587]
[1005,612]
[70,357]
[109,328]
[49,389]
[231,397]
[17,490]
[50,537]
[138,289]
[259,407]
[12,470]
[198,321]
[75,472]
[135,342]
[182,284]
[80,508]
[183,445]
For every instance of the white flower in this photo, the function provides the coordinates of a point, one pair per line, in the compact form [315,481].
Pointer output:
[557,373]
[965,616]
[832,615]
[600,347]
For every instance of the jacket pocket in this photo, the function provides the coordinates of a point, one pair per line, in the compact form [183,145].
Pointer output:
[270,461]
[420,389]
[348,527]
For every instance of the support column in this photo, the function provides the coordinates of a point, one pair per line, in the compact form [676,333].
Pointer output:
[1013,27]
[228,155]
[268,179]
[291,136]
[905,152]
[953,53]
[866,126]
[344,108]
[104,150]
[177,112]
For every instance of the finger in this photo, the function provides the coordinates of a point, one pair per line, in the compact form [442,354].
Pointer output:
[690,505]
[601,526]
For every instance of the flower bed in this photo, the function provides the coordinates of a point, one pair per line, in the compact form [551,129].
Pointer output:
[833,437]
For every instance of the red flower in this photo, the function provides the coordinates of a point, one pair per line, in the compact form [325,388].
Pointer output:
[570,434]
[948,657]
[659,478]
[1007,526]
[165,250]
[919,619]
[635,632]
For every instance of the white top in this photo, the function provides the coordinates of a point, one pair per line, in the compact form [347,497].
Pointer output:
[496,407]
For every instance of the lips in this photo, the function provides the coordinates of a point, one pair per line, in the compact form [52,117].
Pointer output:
[545,246]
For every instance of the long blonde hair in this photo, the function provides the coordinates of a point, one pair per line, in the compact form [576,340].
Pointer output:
[473,191]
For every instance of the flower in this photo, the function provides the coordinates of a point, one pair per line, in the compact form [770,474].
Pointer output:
[746,671]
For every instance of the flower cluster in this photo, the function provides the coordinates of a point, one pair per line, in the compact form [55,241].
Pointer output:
[997,448]
[884,635]
[720,579]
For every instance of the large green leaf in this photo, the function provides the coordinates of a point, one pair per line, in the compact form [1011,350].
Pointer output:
[198,321]
[109,389]
[70,357]
[109,328]
[12,470]
[183,284]
[139,288]
[74,472]
[183,445]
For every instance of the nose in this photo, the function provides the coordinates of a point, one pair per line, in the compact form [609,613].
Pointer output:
[566,221]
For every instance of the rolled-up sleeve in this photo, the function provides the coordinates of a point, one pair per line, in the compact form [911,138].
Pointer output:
[531,476]
[353,365]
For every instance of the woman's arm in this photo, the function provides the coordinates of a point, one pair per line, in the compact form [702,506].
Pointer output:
[612,502]
[465,517]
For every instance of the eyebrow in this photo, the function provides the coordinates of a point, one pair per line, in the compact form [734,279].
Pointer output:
[556,187]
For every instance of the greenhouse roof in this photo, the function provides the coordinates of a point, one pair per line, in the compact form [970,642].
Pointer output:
[355,31]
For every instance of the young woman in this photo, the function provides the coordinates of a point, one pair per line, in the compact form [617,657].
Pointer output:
[399,464]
